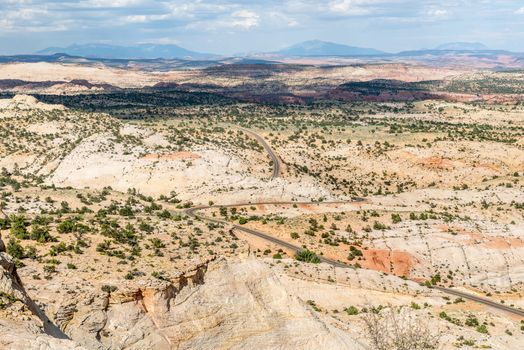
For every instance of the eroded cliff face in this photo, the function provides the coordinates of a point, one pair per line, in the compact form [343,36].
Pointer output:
[23,325]
[133,317]
[228,303]
[224,304]
[221,305]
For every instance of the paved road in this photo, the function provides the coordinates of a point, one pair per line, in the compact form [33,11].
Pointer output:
[193,212]
[477,299]
[274,158]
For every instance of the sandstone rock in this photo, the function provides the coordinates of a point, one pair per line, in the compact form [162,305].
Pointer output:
[27,102]
[240,304]
[21,330]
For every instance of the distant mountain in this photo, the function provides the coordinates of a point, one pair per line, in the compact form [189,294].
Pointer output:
[142,51]
[324,48]
[462,46]
[252,61]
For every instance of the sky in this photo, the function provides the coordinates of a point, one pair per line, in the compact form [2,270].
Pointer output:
[240,26]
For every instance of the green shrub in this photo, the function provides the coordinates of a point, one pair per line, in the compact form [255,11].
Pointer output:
[18,227]
[472,321]
[109,289]
[482,329]
[41,234]
[352,310]
[354,252]
[396,218]
[307,256]
[15,249]
[66,226]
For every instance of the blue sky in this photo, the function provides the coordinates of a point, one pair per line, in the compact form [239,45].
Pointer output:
[233,26]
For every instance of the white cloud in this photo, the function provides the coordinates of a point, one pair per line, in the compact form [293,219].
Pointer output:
[437,13]
[109,3]
[161,41]
[520,11]
[279,19]
[347,7]
[354,7]
[136,19]
[6,25]
[245,19]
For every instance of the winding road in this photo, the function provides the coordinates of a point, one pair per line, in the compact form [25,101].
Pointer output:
[194,213]
[274,158]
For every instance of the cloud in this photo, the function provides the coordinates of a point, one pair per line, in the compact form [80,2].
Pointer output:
[245,19]
[271,22]
[162,41]
[437,13]
[136,19]
[347,7]
[101,4]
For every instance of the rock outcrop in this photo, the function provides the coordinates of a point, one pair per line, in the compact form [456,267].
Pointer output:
[226,304]
[26,102]
[23,326]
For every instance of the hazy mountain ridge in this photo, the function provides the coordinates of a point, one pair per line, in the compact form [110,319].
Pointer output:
[310,48]
[463,46]
[324,48]
[140,51]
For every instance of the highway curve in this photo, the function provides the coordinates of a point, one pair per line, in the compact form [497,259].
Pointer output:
[193,212]
[274,158]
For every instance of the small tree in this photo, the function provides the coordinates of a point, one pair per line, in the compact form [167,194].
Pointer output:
[307,256]
[15,249]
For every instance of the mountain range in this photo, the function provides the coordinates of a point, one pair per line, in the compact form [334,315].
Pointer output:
[324,48]
[140,51]
[462,46]
[311,48]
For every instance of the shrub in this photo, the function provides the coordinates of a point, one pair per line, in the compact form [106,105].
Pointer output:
[471,321]
[157,243]
[41,234]
[49,269]
[15,249]
[164,214]
[399,329]
[109,289]
[6,300]
[307,256]
[396,218]
[354,252]
[379,226]
[482,329]
[58,249]
[18,227]
[66,226]
[145,227]
[352,310]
